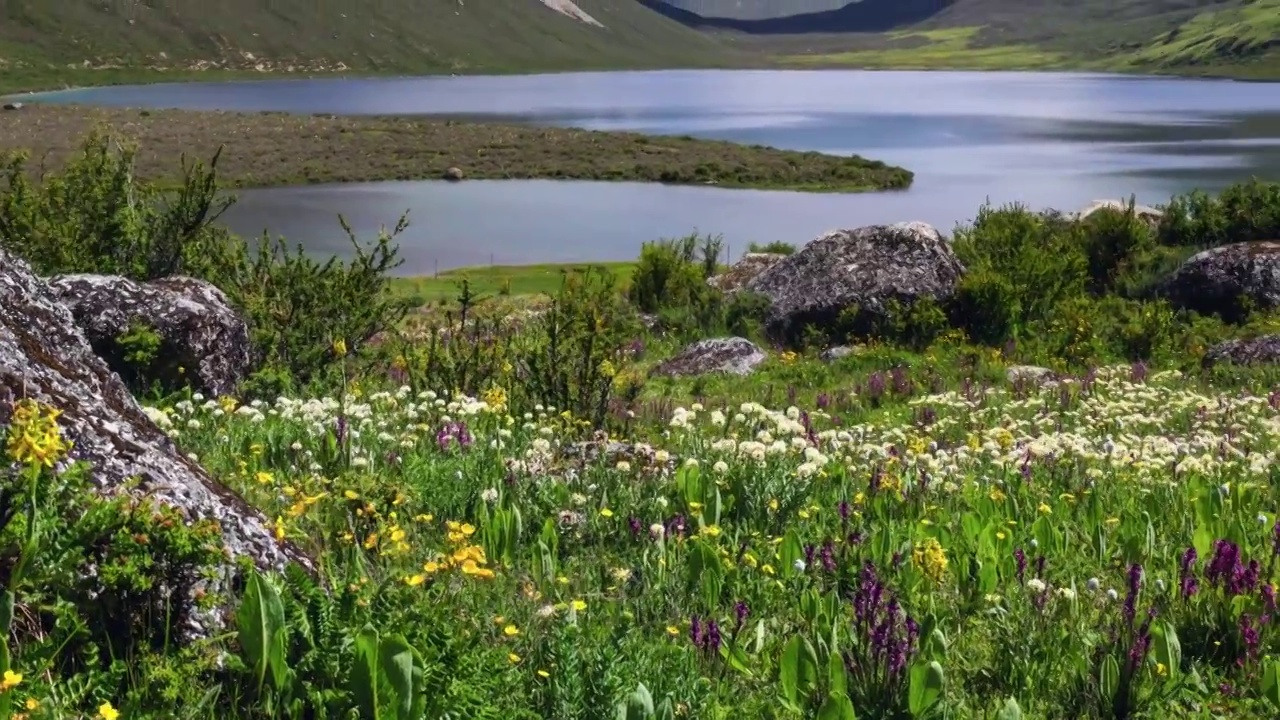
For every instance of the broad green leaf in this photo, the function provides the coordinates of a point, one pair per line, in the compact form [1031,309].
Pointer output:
[926,682]
[798,670]
[396,661]
[837,707]
[1271,681]
[365,676]
[837,678]
[1109,678]
[261,625]
[1168,650]
[1009,710]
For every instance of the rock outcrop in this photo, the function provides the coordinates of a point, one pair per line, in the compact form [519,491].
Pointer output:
[1149,215]
[864,269]
[44,356]
[1223,280]
[743,271]
[205,342]
[733,355]
[1028,374]
[1264,349]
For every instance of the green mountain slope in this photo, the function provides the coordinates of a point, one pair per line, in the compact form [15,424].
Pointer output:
[1238,37]
[52,36]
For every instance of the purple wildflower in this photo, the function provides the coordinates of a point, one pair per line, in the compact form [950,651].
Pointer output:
[713,637]
[740,613]
[1131,597]
[1021,559]
[827,556]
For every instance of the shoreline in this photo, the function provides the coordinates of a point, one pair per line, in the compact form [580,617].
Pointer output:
[784,63]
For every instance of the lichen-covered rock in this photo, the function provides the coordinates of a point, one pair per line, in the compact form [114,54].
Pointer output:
[205,342]
[1254,351]
[45,357]
[864,268]
[1147,214]
[732,355]
[1032,374]
[1222,280]
[748,267]
[839,352]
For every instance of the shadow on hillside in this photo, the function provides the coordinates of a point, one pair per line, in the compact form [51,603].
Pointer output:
[864,16]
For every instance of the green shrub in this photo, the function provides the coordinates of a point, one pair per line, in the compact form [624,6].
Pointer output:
[1242,212]
[1040,259]
[93,216]
[985,305]
[777,247]
[298,308]
[745,313]
[1111,238]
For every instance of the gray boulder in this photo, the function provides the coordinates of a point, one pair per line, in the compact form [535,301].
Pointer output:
[1149,215]
[1264,349]
[1031,374]
[205,342]
[732,355]
[864,268]
[840,352]
[748,267]
[1223,279]
[44,356]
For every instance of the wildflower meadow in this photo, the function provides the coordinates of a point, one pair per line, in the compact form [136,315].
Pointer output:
[510,518]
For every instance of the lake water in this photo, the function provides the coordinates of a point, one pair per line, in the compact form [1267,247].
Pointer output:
[1044,139]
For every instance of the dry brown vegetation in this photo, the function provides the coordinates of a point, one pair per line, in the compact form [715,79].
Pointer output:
[272,149]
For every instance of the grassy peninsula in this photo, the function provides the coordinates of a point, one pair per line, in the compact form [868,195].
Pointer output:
[272,149]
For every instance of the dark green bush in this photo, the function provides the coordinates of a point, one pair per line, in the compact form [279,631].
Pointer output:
[1039,257]
[776,247]
[1242,212]
[93,216]
[1111,238]
[298,308]
[985,305]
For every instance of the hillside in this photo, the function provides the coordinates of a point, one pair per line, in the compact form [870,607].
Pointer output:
[755,9]
[56,37]
[1239,37]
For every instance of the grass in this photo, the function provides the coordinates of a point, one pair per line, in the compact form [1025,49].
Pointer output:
[271,149]
[1249,34]
[1234,39]
[51,42]
[515,281]
[949,48]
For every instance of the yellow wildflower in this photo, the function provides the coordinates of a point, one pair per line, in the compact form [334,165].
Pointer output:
[606,513]
[11,680]
[513,658]
[34,435]
[673,631]
[579,605]
[930,557]
[415,580]
[511,631]
[107,712]
[1045,509]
